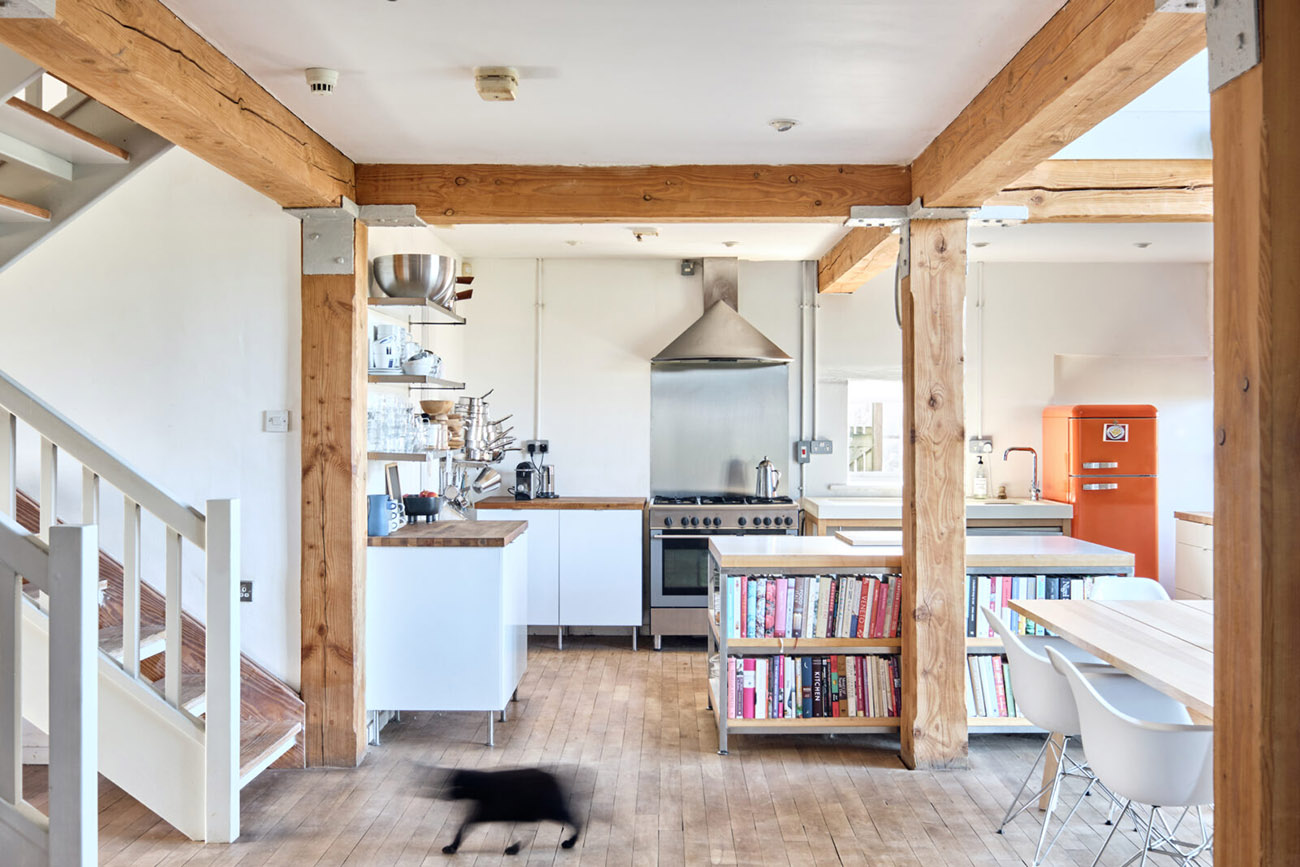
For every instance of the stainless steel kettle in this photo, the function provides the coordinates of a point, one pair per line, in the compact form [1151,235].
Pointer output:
[768,479]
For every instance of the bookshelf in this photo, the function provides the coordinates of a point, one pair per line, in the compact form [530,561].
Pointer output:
[722,647]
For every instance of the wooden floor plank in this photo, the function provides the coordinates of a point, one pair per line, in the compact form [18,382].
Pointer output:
[631,738]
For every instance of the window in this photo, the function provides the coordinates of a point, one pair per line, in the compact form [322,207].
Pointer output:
[875,416]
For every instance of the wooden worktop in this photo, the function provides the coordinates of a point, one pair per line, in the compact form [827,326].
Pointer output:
[452,534]
[982,552]
[1196,517]
[585,503]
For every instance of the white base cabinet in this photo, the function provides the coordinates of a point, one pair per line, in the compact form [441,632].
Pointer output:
[584,565]
[1193,560]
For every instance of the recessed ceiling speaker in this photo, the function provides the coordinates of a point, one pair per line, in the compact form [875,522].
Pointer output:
[322,80]
[496,83]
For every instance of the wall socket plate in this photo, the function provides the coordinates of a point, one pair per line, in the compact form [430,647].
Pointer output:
[275,421]
[245,591]
[804,448]
[534,448]
[980,445]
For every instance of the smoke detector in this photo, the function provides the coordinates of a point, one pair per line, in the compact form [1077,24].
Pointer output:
[322,80]
[496,83]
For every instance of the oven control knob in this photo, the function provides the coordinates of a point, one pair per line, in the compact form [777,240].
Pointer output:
[708,521]
[788,520]
[767,522]
[717,522]
[695,522]
[668,522]
[757,520]
[741,520]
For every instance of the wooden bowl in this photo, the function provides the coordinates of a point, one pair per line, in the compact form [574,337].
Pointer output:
[437,407]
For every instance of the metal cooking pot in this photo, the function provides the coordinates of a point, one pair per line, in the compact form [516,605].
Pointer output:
[487,481]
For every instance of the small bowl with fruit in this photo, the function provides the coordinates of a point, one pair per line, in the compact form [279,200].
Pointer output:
[424,505]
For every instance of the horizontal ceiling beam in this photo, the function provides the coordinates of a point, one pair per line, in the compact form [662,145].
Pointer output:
[1091,59]
[450,194]
[1115,191]
[860,255]
[139,59]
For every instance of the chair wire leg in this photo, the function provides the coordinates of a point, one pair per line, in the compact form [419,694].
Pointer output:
[1040,853]
[1113,828]
[1011,809]
[1146,844]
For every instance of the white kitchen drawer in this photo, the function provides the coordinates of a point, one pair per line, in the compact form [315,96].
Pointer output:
[1194,569]
[1193,533]
[600,567]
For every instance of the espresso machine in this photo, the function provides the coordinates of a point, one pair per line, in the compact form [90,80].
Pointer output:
[527,481]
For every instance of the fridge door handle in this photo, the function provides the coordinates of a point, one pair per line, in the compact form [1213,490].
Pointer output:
[1101,486]
[1101,465]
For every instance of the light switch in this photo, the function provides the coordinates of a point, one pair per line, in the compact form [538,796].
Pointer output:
[275,421]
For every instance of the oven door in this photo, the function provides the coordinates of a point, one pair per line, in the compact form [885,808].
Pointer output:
[679,569]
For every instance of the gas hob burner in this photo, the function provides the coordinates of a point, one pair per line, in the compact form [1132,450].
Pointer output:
[768,501]
[676,501]
[724,500]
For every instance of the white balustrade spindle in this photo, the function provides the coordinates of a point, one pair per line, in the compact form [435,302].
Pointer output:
[49,487]
[172,663]
[131,587]
[9,464]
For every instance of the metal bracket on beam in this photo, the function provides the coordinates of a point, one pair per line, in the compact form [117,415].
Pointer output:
[389,216]
[1192,6]
[1232,35]
[897,215]
[27,9]
[328,236]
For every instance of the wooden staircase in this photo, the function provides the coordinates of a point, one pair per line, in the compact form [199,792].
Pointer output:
[57,156]
[272,715]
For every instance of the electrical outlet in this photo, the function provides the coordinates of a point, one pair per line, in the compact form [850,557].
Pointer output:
[980,445]
[536,447]
[245,591]
[823,447]
[275,421]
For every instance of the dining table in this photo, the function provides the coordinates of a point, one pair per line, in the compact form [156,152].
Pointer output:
[1166,644]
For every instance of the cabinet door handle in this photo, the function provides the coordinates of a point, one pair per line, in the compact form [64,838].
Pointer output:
[1101,465]
[1101,486]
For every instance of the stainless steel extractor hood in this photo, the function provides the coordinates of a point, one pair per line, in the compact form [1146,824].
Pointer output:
[722,334]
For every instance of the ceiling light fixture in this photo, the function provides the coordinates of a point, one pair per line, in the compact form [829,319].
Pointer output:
[979,243]
[496,83]
[321,79]
[730,243]
[783,124]
[1141,245]
[571,243]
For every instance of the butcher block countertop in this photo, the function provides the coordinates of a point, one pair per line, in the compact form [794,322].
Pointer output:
[452,534]
[1196,517]
[885,508]
[584,503]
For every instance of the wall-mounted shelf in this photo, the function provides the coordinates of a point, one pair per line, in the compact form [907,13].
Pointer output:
[431,382]
[434,314]
[418,457]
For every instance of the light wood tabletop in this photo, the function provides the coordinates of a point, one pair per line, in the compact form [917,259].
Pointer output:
[1167,645]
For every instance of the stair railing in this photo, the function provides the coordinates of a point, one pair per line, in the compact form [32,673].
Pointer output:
[66,570]
[217,534]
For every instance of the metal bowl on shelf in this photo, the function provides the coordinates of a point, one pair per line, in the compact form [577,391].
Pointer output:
[416,275]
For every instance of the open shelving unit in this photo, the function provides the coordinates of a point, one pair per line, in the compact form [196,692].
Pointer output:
[435,314]
[431,382]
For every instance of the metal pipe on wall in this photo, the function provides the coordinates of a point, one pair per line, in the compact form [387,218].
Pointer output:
[538,307]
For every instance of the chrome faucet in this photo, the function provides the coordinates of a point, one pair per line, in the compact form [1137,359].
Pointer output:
[1035,492]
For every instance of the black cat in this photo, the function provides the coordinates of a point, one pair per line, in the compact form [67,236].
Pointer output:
[524,795]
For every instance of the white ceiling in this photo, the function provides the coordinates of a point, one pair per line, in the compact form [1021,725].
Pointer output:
[616,82]
[1041,242]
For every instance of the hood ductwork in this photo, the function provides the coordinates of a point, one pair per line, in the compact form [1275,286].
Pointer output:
[721,334]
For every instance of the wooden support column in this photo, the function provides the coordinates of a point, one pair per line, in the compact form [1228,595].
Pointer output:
[333,493]
[1256,133]
[933,729]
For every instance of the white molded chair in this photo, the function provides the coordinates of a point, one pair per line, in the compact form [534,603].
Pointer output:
[1127,587]
[1160,759]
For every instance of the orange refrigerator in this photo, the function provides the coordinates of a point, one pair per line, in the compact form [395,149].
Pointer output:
[1101,459]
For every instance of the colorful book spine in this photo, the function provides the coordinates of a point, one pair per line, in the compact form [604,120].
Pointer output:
[780,628]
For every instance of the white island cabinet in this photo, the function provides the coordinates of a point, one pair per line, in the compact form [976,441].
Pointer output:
[585,558]
[446,617]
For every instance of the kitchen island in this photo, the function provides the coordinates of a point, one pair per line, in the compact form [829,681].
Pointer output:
[446,617]
[822,516]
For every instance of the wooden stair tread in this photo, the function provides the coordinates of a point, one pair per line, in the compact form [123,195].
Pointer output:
[153,640]
[100,150]
[261,742]
[15,211]
[194,697]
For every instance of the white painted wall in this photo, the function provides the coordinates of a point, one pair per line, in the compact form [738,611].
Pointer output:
[164,320]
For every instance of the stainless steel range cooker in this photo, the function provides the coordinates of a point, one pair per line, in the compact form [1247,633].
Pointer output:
[680,528]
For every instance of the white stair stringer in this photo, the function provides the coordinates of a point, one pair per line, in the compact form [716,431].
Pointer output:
[149,749]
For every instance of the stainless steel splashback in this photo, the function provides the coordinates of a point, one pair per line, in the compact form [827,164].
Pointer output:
[710,425]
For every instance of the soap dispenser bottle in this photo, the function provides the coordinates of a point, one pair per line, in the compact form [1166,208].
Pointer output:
[981,485]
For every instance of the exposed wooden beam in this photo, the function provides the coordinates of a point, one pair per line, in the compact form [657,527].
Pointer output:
[1114,191]
[448,194]
[933,726]
[334,510]
[139,59]
[1255,122]
[1091,59]
[860,255]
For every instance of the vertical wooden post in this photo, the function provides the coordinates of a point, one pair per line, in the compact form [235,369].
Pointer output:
[933,730]
[221,672]
[74,695]
[1256,133]
[334,505]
